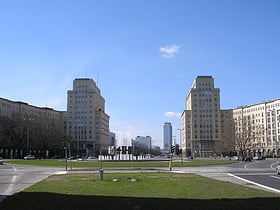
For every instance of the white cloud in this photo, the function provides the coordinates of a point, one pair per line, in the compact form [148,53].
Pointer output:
[169,51]
[172,114]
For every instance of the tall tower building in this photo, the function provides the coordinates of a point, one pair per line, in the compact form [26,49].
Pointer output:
[201,123]
[87,122]
[167,136]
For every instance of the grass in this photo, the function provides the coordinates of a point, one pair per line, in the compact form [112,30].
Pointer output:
[126,164]
[159,190]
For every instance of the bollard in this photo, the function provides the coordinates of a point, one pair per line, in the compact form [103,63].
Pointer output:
[101,173]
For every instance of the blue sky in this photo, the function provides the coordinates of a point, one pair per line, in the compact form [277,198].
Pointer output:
[144,53]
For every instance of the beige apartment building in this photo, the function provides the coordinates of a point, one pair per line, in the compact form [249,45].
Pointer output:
[87,122]
[26,129]
[246,130]
[227,143]
[9,107]
[257,128]
[84,128]
[201,120]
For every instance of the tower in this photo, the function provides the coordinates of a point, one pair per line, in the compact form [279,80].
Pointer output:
[201,119]
[167,136]
[87,122]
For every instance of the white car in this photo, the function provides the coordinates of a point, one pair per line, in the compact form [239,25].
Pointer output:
[278,169]
[91,159]
[257,157]
[1,161]
[29,157]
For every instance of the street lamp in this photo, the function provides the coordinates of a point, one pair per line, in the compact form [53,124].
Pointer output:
[181,145]
[274,112]
[192,140]
[27,134]
[79,138]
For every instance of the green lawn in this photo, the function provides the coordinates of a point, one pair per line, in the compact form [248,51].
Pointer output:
[161,190]
[127,164]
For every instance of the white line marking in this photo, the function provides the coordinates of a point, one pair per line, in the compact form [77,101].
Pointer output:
[272,165]
[257,184]
[14,178]
[8,191]
[179,172]
[276,177]
[61,173]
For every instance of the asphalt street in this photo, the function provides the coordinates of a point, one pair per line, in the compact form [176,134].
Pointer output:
[15,178]
[261,173]
[256,174]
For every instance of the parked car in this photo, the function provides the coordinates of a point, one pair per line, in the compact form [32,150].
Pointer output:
[1,161]
[258,157]
[91,158]
[235,158]
[247,159]
[29,157]
[278,170]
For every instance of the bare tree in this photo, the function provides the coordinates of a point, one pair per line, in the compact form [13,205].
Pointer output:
[31,134]
[244,136]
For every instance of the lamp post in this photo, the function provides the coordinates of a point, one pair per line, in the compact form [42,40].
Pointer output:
[273,112]
[79,138]
[276,133]
[174,139]
[27,134]
[27,140]
[181,145]
[193,151]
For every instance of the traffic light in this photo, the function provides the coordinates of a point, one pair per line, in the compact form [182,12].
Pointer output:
[129,149]
[123,149]
[172,149]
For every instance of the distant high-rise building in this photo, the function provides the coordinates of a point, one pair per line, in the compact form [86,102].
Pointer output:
[201,119]
[87,122]
[146,141]
[167,136]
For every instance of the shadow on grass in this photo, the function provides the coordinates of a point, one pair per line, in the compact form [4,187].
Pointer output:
[48,201]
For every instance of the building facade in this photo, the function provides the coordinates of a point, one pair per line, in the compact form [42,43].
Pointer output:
[146,141]
[87,122]
[257,129]
[27,129]
[227,142]
[167,136]
[201,120]
[246,130]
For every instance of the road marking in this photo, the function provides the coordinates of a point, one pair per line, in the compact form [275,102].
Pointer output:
[14,178]
[254,183]
[276,177]
[246,166]
[61,172]
[9,191]
[272,165]
[179,172]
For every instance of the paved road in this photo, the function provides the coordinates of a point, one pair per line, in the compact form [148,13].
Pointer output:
[256,174]
[15,178]
[260,173]
[265,180]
